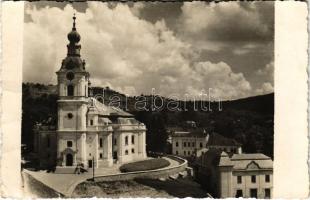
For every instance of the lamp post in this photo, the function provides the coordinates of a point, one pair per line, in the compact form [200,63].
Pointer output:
[93,168]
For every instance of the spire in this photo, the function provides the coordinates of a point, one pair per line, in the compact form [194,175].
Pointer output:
[74,18]
[74,38]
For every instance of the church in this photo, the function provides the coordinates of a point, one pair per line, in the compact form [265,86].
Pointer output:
[88,132]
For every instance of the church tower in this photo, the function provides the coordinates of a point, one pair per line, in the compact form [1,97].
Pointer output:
[73,82]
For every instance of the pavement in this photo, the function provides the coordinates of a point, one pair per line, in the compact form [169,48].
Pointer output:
[66,183]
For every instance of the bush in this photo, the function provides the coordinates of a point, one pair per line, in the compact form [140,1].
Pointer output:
[155,163]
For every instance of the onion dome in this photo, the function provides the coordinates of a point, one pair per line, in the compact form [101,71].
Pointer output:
[74,36]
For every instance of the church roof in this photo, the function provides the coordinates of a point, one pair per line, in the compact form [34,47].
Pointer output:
[99,108]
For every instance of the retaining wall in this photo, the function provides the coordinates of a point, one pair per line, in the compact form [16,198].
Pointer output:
[152,174]
[39,189]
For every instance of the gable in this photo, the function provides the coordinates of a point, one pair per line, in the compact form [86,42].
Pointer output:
[252,166]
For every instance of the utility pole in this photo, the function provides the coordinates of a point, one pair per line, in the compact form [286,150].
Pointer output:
[93,168]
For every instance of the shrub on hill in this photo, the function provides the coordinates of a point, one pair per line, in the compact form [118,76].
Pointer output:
[151,164]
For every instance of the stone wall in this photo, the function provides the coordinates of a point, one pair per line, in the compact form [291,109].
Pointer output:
[152,174]
[37,188]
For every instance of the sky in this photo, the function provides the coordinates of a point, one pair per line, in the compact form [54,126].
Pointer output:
[176,48]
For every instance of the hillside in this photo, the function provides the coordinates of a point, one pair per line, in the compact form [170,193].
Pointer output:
[249,121]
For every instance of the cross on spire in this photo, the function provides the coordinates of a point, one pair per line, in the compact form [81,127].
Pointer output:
[74,18]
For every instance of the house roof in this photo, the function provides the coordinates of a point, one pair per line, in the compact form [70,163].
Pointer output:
[250,156]
[195,132]
[225,160]
[255,161]
[216,139]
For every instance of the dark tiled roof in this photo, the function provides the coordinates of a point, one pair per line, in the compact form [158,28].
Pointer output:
[216,139]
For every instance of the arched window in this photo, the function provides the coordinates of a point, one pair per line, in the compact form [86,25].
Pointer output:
[70,90]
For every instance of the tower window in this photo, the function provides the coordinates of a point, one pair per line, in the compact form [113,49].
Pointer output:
[126,140]
[100,142]
[70,115]
[126,152]
[132,150]
[69,143]
[100,155]
[70,89]
[91,122]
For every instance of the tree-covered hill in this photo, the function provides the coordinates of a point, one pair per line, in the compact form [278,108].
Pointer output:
[249,121]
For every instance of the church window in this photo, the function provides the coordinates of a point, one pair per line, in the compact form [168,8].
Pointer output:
[176,144]
[91,122]
[48,142]
[184,153]
[126,140]
[126,152]
[70,115]
[184,144]
[132,139]
[70,90]
[176,152]
[100,142]
[200,144]
[100,155]
[193,144]
[115,141]
[132,150]
[69,143]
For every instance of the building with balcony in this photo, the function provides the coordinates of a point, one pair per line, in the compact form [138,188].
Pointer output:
[88,132]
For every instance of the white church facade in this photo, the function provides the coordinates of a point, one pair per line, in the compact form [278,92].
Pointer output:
[88,132]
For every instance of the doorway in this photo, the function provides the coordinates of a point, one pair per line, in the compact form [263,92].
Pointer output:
[90,163]
[69,159]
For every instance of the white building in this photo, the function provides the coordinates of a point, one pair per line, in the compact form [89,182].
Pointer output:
[86,128]
[245,175]
[190,142]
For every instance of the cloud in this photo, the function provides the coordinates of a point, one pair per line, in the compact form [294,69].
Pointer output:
[127,53]
[266,88]
[267,72]
[227,25]
[238,21]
